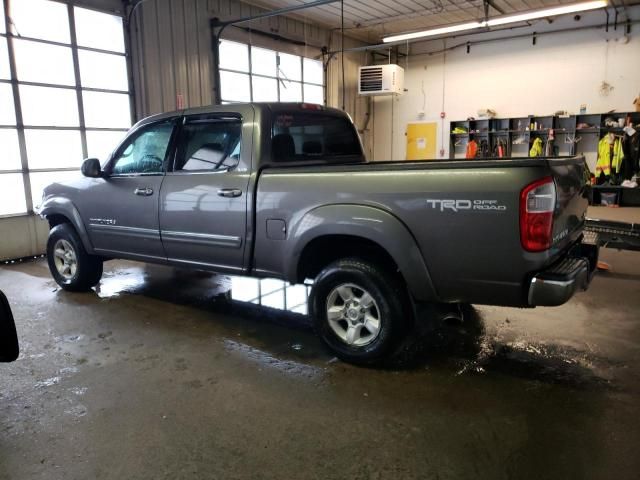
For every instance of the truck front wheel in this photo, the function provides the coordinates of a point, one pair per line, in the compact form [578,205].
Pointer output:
[71,266]
[360,310]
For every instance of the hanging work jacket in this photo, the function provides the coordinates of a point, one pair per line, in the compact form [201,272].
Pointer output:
[605,161]
[536,148]
[472,149]
[631,159]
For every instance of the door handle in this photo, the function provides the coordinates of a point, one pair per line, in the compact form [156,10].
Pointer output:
[229,192]
[145,192]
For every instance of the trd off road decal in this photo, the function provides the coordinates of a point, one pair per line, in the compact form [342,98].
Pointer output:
[461,205]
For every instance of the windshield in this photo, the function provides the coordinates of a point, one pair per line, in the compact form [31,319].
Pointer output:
[300,136]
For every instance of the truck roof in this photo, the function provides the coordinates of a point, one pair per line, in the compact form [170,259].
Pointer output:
[239,107]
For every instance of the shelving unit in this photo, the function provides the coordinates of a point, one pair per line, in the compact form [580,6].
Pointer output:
[517,134]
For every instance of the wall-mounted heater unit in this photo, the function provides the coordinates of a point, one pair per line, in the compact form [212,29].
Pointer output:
[381,80]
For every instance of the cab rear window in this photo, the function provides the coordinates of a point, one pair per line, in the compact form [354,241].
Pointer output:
[299,136]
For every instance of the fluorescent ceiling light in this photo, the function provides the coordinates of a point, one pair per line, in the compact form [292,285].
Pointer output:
[523,17]
[547,12]
[435,31]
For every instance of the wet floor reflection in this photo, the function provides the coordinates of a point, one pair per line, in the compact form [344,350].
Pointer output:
[270,292]
[468,345]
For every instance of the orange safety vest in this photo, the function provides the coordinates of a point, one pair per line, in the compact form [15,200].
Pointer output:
[472,149]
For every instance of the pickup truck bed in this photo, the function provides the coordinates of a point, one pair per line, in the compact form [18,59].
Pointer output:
[450,251]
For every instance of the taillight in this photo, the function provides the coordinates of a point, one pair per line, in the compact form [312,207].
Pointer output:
[537,203]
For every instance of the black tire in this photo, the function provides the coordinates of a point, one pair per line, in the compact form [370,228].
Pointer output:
[391,304]
[88,270]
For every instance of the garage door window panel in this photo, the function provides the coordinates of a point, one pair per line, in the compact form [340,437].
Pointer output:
[264,62]
[313,94]
[61,106]
[144,153]
[289,67]
[7,110]
[99,30]
[103,70]
[106,110]
[10,156]
[290,91]
[41,19]
[2,29]
[43,63]
[48,149]
[12,199]
[265,89]
[313,72]
[5,72]
[235,87]
[234,56]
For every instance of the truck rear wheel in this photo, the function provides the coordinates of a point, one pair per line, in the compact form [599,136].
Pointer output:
[71,266]
[360,310]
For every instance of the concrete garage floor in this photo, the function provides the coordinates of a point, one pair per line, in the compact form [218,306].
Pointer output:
[158,374]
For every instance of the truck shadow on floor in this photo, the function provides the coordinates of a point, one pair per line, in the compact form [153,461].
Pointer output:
[464,347]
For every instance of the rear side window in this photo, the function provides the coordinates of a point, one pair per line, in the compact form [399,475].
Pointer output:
[299,136]
[209,145]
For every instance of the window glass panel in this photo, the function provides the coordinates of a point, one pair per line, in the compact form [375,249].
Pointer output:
[5,72]
[312,136]
[7,108]
[100,144]
[99,30]
[39,62]
[10,156]
[12,199]
[290,66]
[313,94]
[41,19]
[2,29]
[209,146]
[53,148]
[41,180]
[290,91]
[46,106]
[145,152]
[263,62]
[106,110]
[313,71]
[235,86]
[265,89]
[101,70]
[234,56]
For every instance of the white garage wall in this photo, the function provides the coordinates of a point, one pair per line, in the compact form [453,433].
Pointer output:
[512,77]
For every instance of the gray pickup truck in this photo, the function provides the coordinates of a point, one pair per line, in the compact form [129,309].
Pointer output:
[284,190]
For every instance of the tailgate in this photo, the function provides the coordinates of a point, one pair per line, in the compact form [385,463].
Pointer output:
[571,176]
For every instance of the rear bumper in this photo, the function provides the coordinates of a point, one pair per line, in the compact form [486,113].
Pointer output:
[558,283]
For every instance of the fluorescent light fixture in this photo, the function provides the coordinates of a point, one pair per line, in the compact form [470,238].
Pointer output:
[523,17]
[436,31]
[547,12]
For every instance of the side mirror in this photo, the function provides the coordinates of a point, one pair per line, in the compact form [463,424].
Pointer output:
[9,348]
[91,168]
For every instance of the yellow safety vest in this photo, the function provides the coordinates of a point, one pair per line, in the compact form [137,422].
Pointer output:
[605,162]
[536,148]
